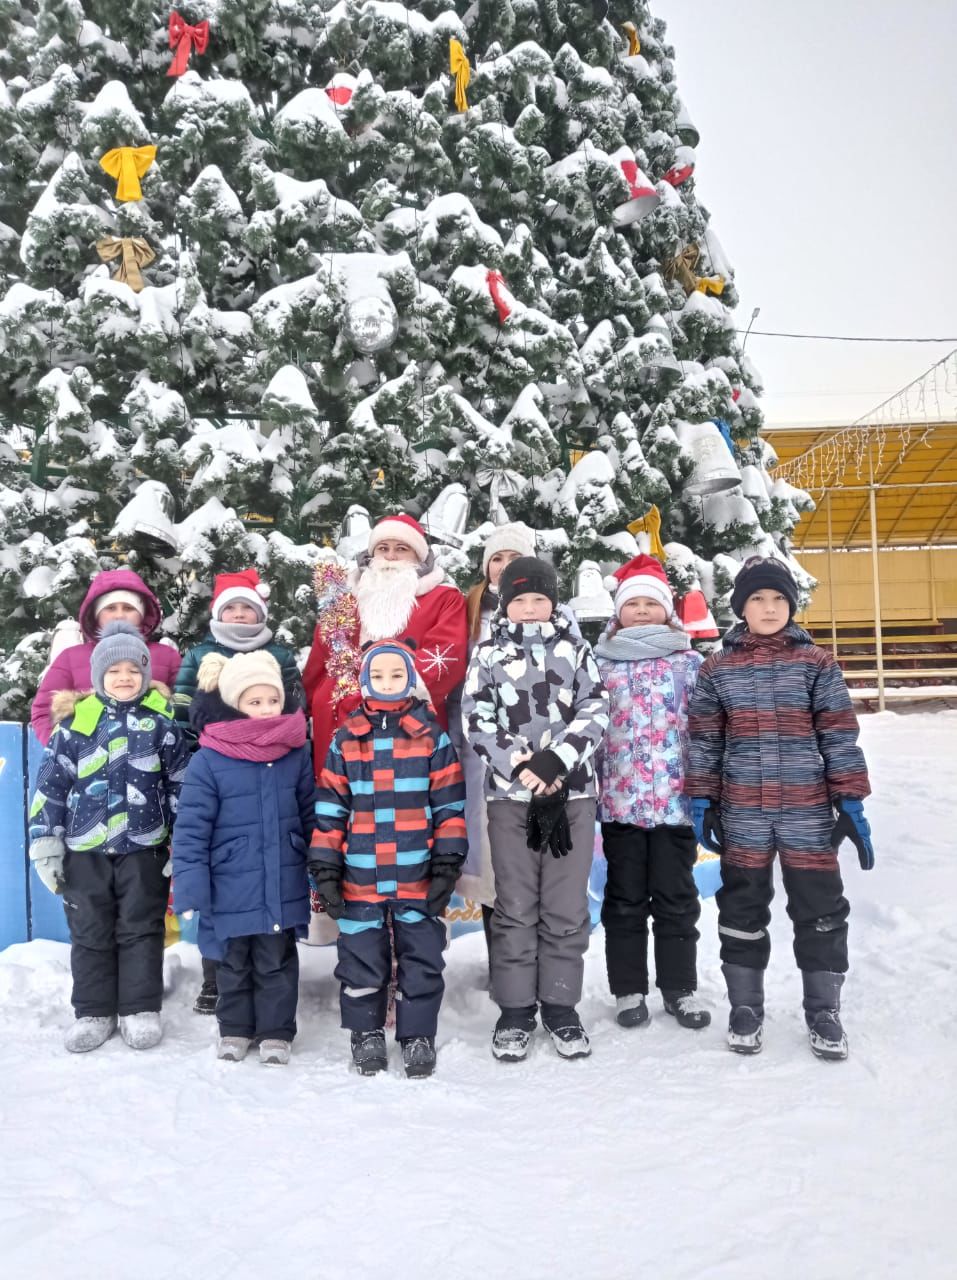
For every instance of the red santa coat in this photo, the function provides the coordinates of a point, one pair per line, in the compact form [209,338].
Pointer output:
[439,628]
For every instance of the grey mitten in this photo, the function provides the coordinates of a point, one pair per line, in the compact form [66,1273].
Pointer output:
[47,855]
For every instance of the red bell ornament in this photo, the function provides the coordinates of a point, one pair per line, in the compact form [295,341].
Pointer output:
[683,167]
[642,198]
[341,88]
[695,616]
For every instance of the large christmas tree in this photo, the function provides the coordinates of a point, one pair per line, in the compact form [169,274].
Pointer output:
[269,265]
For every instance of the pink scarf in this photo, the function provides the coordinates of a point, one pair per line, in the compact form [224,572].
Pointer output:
[256,740]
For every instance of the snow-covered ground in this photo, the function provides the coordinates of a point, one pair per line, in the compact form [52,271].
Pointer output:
[662,1155]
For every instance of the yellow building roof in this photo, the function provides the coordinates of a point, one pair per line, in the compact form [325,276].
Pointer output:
[913,466]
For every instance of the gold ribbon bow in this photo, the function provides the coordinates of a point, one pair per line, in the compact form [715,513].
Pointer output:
[133,253]
[634,44]
[710,284]
[127,165]
[682,268]
[650,524]
[459,66]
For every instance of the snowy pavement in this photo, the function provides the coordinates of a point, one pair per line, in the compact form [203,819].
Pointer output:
[663,1155]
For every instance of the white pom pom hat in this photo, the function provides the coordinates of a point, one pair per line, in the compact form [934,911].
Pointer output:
[229,588]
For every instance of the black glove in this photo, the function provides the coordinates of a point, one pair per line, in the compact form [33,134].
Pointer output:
[445,873]
[546,823]
[545,765]
[705,816]
[852,825]
[329,888]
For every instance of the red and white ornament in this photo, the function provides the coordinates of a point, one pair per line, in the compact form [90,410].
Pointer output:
[501,295]
[683,167]
[642,198]
[341,88]
[695,616]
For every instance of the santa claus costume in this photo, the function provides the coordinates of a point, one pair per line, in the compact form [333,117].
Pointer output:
[393,600]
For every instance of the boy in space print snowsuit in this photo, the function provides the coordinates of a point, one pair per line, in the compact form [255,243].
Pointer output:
[99,834]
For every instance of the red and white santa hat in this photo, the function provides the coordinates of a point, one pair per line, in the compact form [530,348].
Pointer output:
[644,576]
[400,528]
[229,588]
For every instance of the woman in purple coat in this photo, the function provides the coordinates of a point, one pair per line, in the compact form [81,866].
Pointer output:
[114,595]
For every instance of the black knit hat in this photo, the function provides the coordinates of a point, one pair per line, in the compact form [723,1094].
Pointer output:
[525,574]
[759,575]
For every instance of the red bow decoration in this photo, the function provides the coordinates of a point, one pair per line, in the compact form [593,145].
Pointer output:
[496,283]
[183,38]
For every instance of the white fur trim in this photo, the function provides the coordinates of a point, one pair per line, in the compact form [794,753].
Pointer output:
[120,597]
[232,595]
[508,537]
[399,531]
[651,588]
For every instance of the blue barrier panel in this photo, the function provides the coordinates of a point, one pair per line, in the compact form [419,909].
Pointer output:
[14,908]
[46,909]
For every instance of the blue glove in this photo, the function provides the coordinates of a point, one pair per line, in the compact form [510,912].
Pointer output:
[852,825]
[707,824]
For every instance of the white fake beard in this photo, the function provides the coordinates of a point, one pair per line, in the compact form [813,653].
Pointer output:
[385,595]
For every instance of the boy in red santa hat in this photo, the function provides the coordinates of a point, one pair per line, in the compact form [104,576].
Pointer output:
[399,591]
[239,613]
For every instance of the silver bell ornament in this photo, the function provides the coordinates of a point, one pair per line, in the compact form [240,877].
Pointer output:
[714,468]
[356,528]
[371,322]
[592,601]
[658,364]
[448,515]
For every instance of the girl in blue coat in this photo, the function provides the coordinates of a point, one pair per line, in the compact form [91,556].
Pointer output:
[239,858]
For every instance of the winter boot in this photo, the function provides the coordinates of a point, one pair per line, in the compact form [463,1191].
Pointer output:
[746,994]
[631,1011]
[822,1013]
[205,1002]
[687,1008]
[512,1034]
[233,1048]
[89,1033]
[275,1053]
[369,1052]
[418,1056]
[141,1030]
[566,1030]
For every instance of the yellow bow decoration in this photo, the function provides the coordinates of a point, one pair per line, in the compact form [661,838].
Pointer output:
[127,165]
[459,66]
[650,524]
[634,44]
[133,253]
[710,284]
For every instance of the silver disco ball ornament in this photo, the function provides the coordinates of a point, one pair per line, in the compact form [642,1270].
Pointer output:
[372,323]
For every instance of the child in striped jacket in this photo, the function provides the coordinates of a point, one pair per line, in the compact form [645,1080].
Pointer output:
[390,843]
[773,755]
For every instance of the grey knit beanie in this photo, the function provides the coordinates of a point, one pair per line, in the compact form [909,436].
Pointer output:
[119,643]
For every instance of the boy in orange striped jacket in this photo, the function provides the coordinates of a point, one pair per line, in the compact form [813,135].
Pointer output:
[389,842]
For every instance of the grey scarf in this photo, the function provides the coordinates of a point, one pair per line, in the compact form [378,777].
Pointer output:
[637,644]
[241,636]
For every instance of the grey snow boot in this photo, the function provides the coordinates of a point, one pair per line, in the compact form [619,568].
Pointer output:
[418,1056]
[369,1054]
[89,1033]
[687,1009]
[822,1013]
[746,995]
[141,1030]
[275,1053]
[233,1048]
[631,1011]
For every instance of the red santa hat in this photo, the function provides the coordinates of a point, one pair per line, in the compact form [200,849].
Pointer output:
[400,528]
[229,588]
[644,576]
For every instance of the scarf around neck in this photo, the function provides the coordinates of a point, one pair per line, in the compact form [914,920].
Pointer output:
[256,740]
[638,644]
[244,637]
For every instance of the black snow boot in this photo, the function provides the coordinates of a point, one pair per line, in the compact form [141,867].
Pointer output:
[205,1002]
[822,1013]
[369,1052]
[631,1011]
[565,1028]
[746,994]
[687,1009]
[512,1034]
[418,1056]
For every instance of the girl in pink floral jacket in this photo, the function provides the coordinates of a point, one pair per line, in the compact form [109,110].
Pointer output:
[649,670]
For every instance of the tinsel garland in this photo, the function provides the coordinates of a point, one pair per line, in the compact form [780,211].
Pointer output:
[338,625]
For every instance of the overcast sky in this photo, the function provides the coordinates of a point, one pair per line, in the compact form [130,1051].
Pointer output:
[828,161]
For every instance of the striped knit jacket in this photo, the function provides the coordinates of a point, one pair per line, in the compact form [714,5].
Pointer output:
[390,799]
[772,726]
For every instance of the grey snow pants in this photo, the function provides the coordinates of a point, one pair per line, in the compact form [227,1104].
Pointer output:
[540,923]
